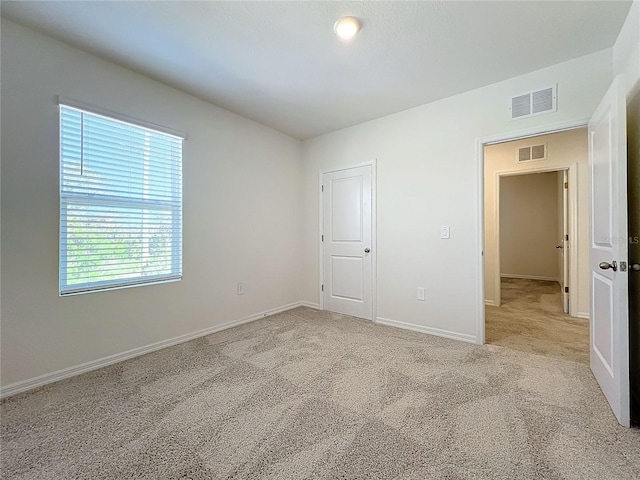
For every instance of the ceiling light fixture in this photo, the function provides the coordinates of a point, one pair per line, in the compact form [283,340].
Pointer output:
[347,27]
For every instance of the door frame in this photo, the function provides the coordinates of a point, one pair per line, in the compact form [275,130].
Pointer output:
[572,170]
[374,244]
[566,259]
[480,222]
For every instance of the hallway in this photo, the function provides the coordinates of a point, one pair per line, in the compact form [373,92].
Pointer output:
[530,319]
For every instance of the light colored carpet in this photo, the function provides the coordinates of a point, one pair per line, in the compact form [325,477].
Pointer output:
[530,319]
[314,395]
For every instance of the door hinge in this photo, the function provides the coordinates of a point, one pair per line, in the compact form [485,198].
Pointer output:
[322,186]
[566,184]
[566,237]
[566,290]
[322,238]
[322,288]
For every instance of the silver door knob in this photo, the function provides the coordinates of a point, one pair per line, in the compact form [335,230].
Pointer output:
[367,250]
[606,266]
[634,267]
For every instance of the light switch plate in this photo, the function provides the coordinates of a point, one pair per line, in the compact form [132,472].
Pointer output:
[420,293]
[445,231]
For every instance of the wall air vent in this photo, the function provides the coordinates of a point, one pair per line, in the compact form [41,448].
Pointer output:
[533,103]
[532,152]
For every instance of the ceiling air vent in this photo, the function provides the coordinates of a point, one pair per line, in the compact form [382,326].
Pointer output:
[532,152]
[533,103]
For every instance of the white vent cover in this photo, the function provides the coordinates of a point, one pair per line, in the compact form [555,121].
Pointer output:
[533,103]
[532,152]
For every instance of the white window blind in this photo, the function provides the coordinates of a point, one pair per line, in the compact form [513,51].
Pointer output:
[120,203]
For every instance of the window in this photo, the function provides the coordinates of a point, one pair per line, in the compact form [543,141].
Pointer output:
[120,203]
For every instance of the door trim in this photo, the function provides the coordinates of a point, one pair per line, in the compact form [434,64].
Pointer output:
[374,244]
[480,144]
[572,170]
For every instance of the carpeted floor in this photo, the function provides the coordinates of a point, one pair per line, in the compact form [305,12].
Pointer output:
[314,395]
[530,319]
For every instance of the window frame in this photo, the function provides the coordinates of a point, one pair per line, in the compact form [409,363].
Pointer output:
[64,289]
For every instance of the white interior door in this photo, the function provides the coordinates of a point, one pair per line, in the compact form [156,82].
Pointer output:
[609,343]
[565,242]
[346,238]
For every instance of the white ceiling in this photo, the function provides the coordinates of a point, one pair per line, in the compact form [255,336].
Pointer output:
[280,63]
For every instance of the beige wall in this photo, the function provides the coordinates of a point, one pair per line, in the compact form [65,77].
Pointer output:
[563,149]
[241,216]
[529,215]
[428,175]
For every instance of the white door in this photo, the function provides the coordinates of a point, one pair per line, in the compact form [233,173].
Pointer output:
[609,342]
[346,238]
[565,242]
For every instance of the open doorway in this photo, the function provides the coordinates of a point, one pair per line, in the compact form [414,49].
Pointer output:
[533,233]
[536,197]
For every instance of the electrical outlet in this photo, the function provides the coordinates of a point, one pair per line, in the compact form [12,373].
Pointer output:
[420,294]
[240,288]
[445,231]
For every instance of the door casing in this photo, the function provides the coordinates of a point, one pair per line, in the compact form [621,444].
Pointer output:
[566,232]
[480,222]
[572,170]
[374,245]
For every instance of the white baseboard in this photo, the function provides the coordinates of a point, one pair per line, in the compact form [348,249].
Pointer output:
[315,306]
[529,277]
[430,330]
[58,375]
[582,315]
[491,303]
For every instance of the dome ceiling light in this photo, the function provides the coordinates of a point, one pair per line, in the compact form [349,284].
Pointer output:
[347,27]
